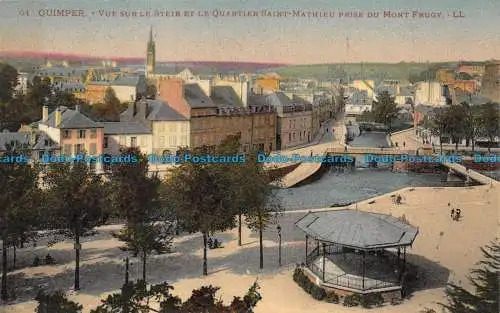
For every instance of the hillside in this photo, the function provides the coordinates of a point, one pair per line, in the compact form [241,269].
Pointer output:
[374,71]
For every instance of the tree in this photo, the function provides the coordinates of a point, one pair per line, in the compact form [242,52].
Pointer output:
[455,122]
[137,297]
[56,303]
[110,109]
[384,109]
[485,279]
[491,121]
[17,201]
[8,82]
[473,124]
[151,91]
[76,196]
[262,202]
[437,124]
[135,197]
[201,197]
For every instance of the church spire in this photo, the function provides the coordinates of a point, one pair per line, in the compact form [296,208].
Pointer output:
[150,54]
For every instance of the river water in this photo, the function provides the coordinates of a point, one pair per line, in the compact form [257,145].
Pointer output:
[340,186]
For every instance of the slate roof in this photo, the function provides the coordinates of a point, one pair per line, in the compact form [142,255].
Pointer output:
[196,97]
[126,81]
[158,110]
[40,142]
[358,229]
[71,119]
[258,100]
[8,137]
[125,128]
[225,96]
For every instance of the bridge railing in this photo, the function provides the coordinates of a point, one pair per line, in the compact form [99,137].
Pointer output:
[371,151]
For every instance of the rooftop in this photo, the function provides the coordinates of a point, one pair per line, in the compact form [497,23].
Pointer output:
[71,119]
[196,97]
[358,229]
[225,96]
[124,128]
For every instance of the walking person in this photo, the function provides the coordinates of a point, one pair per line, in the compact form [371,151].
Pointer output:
[404,144]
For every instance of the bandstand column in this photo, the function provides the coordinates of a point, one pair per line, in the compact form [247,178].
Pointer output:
[307,241]
[364,269]
[324,261]
[404,259]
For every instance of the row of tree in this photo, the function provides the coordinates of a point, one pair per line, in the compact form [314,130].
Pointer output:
[17,108]
[464,121]
[72,199]
[137,297]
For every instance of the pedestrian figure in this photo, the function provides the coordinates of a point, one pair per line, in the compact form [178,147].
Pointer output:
[404,144]
[345,148]
[452,214]
[457,215]
[398,199]
[327,130]
[311,153]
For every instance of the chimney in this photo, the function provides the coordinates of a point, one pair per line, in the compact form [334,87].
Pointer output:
[57,117]
[143,110]
[45,113]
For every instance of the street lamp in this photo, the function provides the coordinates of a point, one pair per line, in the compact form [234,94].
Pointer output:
[279,244]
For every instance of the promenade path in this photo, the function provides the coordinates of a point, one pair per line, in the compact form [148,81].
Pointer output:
[307,169]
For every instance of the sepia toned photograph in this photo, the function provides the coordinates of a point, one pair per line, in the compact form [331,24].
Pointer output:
[248,156]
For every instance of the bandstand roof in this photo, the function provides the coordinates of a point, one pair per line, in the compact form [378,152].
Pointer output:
[358,229]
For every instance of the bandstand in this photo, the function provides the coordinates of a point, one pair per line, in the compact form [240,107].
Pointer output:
[355,251]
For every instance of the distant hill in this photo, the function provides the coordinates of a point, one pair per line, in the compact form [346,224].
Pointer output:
[201,66]
[373,71]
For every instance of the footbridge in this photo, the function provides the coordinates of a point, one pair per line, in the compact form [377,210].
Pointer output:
[470,174]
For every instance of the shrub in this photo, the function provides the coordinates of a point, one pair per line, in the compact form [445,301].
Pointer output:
[332,298]
[49,259]
[56,303]
[372,299]
[36,261]
[352,300]
[317,292]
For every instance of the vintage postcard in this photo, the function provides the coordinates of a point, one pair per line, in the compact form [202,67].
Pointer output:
[249,156]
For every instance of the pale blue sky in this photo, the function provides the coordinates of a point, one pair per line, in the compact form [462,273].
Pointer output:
[259,39]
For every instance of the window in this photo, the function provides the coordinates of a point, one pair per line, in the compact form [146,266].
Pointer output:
[67,150]
[290,124]
[293,136]
[172,141]
[67,134]
[46,142]
[161,141]
[79,148]
[289,136]
[41,154]
[123,140]
[106,139]
[92,165]
[133,141]
[81,134]
[93,133]
[93,149]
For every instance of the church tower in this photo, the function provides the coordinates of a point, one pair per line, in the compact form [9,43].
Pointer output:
[151,53]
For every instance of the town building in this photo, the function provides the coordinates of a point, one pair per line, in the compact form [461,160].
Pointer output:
[490,86]
[471,68]
[366,85]
[429,93]
[126,88]
[72,131]
[294,119]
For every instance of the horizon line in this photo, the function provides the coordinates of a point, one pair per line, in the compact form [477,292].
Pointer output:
[41,54]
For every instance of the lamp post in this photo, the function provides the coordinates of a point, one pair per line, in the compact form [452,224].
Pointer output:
[279,244]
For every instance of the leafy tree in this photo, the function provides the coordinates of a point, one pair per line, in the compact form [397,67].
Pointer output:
[455,121]
[384,109]
[491,121]
[8,82]
[151,91]
[473,124]
[485,279]
[56,303]
[135,197]
[17,202]
[76,196]
[199,192]
[263,204]
[110,109]
[437,123]
[138,298]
